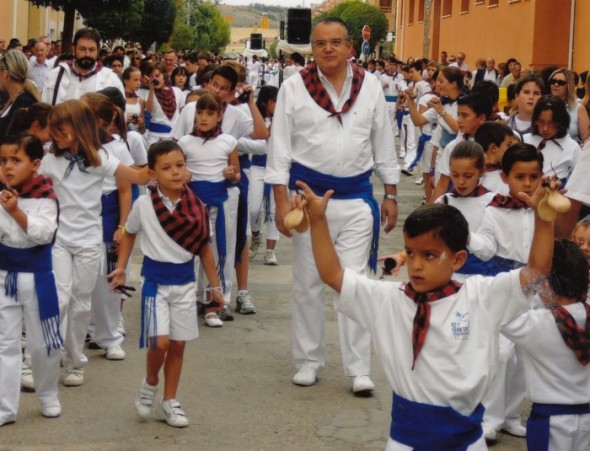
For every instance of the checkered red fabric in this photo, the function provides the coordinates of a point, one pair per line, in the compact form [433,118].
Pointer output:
[422,317]
[167,100]
[211,134]
[320,96]
[508,202]
[575,338]
[187,224]
[490,167]
[40,187]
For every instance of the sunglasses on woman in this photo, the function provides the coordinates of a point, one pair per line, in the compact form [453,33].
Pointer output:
[558,82]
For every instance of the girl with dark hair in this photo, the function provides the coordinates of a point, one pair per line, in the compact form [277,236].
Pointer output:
[135,105]
[33,120]
[528,91]
[162,103]
[550,136]
[180,83]
[562,85]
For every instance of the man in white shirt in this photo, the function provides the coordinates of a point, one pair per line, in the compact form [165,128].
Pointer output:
[489,73]
[40,68]
[85,75]
[330,129]
[460,63]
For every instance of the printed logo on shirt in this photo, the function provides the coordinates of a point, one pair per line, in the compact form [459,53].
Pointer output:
[460,327]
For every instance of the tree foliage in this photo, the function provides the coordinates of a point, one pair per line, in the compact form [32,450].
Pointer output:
[157,23]
[355,15]
[125,25]
[200,26]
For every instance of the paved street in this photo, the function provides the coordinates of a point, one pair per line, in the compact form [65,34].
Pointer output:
[236,385]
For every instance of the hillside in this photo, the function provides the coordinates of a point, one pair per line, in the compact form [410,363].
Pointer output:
[249,16]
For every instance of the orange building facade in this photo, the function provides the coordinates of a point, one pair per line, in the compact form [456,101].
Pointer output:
[537,33]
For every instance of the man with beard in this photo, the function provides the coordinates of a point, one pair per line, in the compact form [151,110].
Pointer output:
[84,75]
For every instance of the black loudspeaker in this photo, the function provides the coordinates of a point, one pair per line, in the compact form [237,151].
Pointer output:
[255,41]
[298,25]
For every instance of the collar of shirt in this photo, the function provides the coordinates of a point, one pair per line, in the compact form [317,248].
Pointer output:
[169,204]
[338,101]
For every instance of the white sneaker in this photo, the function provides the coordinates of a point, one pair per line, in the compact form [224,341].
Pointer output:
[244,304]
[516,429]
[254,246]
[74,377]
[362,386]
[144,401]
[53,410]
[27,383]
[490,435]
[419,181]
[171,412]
[115,353]
[306,375]
[212,320]
[270,259]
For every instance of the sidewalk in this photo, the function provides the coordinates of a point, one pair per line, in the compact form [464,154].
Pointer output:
[236,384]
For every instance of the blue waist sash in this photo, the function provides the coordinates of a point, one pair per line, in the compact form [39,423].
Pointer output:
[259,160]
[159,273]
[36,260]
[537,427]
[496,265]
[243,213]
[445,138]
[391,98]
[425,427]
[356,187]
[214,194]
[474,265]
[159,128]
[422,140]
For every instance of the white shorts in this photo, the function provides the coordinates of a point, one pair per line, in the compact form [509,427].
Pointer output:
[176,312]
[425,160]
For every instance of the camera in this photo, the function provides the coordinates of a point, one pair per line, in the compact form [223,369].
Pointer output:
[244,97]
[155,82]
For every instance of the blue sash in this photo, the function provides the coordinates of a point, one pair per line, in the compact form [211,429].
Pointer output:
[500,264]
[356,187]
[36,260]
[159,273]
[159,128]
[260,161]
[537,426]
[214,194]
[425,427]
[474,265]
[110,222]
[243,212]
[422,140]
[391,98]
[445,138]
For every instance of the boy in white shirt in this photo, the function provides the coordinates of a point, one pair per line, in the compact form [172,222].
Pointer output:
[175,227]
[439,365]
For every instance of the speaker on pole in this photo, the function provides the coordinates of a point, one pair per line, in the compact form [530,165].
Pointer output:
[298,25]
[255,41]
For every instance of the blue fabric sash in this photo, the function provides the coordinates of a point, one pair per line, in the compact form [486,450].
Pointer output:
[445,138]
[422,140]
[159,128]
[259,160]
[425,427]
[474,265]
[159,273]
[356,187]
[538,427]
[391,98]
[110,222]
[243,212]
[214,194]
[496,265]
[134,192]
[36,260]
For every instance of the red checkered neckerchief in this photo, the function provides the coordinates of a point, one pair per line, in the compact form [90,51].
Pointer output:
[575,338]
[477,192]
[320,96]
[130,95]
[187,224]
[211,134]
[508,202]
[491,167]
[422,317]
[39,187]
[167,100]
[97,68]
[544,142]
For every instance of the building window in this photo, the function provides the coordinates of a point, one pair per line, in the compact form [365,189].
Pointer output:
[420,10]
[464,6]
[479,2]
[411,12]
[493,3]
[447,8]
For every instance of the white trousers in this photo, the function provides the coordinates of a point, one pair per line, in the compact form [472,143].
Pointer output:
[76,270]
[45,368]
[408,140]
[256,204]
[507,390]
[569,433]
[350,223]
[105,311]
[230,208]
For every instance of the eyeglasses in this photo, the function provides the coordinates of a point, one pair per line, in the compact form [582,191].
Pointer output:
[542,124]
[336,43]
[558,82]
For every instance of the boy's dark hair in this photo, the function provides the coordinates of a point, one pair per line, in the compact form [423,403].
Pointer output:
[23,118]
[569,270]
[490,133]
[265,95]
[488,89]
[561,117]
[30,144]
[469,150]
[161,148]
[530,78]
[479,103]
[520,152]
[406,68]
[298,58]
[417,66]
[87,33]
[228,73]
[444,221]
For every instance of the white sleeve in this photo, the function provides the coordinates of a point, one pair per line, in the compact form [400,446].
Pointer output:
[483,243]
[185,122]
[279,145]
[41,226]
[133,224]
[137,148]
[386,164]
[109,163]
[252,146]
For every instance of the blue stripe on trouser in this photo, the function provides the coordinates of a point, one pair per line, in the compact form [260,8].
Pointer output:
[422,140]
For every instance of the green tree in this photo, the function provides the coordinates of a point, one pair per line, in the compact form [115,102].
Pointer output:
[112,25]
[157,23]
[200,26]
